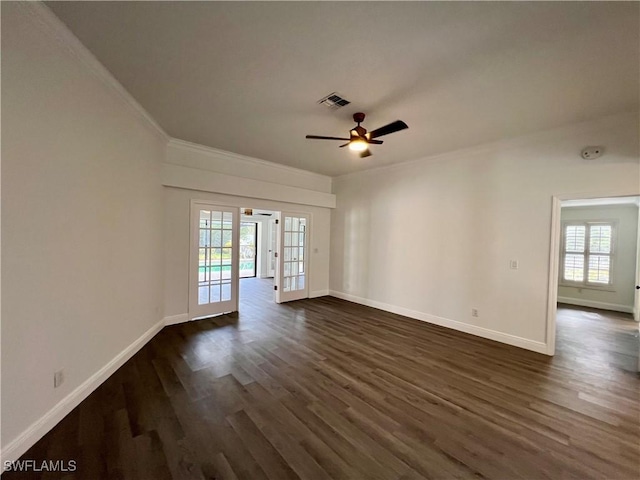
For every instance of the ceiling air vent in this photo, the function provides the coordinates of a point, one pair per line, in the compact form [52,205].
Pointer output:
[334,100]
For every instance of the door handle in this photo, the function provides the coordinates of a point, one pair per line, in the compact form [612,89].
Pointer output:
[637,287]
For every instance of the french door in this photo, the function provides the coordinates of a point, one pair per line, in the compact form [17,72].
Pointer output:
[293,259]
[213,273]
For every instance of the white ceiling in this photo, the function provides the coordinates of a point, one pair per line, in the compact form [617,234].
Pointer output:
[245,76]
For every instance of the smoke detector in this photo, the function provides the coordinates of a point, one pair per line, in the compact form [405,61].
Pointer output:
[334,100]
[591,153]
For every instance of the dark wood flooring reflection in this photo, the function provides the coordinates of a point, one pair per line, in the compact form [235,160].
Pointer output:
[324,388]
[597,339]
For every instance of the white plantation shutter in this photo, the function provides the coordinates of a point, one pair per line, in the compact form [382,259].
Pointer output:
[600,253]
[574,244]
[587,252]
[575,238]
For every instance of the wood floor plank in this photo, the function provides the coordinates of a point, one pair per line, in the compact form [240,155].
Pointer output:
[327,389]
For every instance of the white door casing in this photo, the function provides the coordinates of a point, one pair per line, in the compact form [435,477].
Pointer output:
[292,272]
[554,256]
[636,303]
[273,245]
[214,259]
[636,300]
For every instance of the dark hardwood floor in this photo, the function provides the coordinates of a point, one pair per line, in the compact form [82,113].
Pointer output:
[324,388]
[597,338]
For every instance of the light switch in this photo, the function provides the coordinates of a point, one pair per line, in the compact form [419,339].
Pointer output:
[513,264]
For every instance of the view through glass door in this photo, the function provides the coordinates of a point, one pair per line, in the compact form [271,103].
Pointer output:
[248,242]
[292,280]
[213,275]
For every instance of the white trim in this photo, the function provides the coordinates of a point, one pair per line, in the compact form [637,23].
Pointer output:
[602,202]
[554,253]
[230,156]
[19,445]
[175,319]
[509,339]
[554,272]
[318,293]
[50,22]
[593,304]
[191,178]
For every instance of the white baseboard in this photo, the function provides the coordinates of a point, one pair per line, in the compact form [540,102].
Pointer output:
[174,319]
[509,339]
[592,304]
[23,442]
[318,293]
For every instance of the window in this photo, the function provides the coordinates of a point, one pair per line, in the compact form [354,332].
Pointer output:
[587,253]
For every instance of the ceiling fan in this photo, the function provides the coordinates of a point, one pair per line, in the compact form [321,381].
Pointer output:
[360,139]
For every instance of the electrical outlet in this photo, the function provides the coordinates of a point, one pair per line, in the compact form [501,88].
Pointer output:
[474,312]
[58,378]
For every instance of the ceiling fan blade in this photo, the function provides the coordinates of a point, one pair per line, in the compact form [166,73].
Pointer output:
[375,142]
[345,144]
[319,137]
[365,153]
[387,129]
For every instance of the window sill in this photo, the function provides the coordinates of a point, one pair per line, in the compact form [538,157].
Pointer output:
[582,286]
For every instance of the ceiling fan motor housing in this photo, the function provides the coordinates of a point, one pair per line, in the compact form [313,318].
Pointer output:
[358,117]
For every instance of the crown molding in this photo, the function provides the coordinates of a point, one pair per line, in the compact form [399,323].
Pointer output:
[223,154]
[52,25]
[179,176]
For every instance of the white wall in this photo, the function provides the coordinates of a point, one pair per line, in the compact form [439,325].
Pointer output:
[206,169]
[620,295]
[204,158]
[82,211]
[433,238]
[177,205]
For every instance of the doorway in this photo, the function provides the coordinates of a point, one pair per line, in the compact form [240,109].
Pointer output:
[248,248]
[595,268]
[240,254]
[257,258]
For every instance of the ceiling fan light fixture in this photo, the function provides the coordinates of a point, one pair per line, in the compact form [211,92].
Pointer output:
[358,145]
[360,139]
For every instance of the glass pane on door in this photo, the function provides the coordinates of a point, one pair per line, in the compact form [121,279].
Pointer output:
[294,253]
[215,255]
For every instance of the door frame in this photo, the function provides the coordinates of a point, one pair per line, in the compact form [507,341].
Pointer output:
[272,248]
[256,246]
[554,254]
[235,261]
